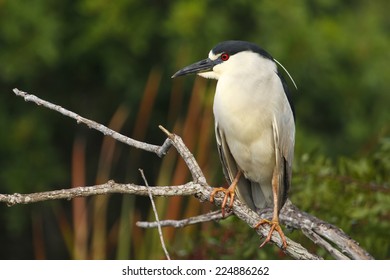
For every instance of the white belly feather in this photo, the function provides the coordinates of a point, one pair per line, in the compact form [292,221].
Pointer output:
[245,117]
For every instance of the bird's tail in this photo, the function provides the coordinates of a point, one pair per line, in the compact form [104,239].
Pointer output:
[253,195]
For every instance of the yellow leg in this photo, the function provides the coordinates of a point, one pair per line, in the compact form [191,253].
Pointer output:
[274,223]
[229,192]
[274,226]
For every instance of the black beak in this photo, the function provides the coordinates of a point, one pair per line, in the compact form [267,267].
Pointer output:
[198,67]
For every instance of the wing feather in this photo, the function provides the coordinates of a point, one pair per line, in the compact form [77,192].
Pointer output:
[230,169]
[284,140]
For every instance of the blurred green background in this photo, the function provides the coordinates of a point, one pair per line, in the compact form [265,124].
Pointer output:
[111,61]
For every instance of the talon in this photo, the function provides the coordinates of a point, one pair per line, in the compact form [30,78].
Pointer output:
[229,192]
[274,226]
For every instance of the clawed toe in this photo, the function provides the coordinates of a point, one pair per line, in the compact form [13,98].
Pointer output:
[274,226]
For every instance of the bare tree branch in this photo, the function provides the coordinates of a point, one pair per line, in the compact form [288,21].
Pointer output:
[110,187]
[324,244]
[156,216]
[293,217]
[317,230]
[208,217]
[159,150]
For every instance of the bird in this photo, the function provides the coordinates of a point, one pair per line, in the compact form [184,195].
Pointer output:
[254,126]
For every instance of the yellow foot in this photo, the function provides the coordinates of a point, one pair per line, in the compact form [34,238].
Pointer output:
[229,192]
[274,226]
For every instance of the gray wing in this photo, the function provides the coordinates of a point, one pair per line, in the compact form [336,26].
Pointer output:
[284,140]
[230,169]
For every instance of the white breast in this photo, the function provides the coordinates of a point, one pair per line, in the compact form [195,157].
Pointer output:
[244,106]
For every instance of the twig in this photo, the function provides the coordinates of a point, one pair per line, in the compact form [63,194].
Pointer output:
[317,239]
[187,156]
[108,188]
[158,150]
[156,216]
[293,217]
[212,216]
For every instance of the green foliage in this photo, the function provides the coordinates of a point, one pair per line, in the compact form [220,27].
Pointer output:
[350,193]
[95,56]
[30,35]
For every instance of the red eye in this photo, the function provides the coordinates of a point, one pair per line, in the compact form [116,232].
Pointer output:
[224,56]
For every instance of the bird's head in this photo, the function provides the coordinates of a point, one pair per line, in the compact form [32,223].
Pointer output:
[230,57]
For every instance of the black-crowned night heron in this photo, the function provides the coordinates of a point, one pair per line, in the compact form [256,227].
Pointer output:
[254,126]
